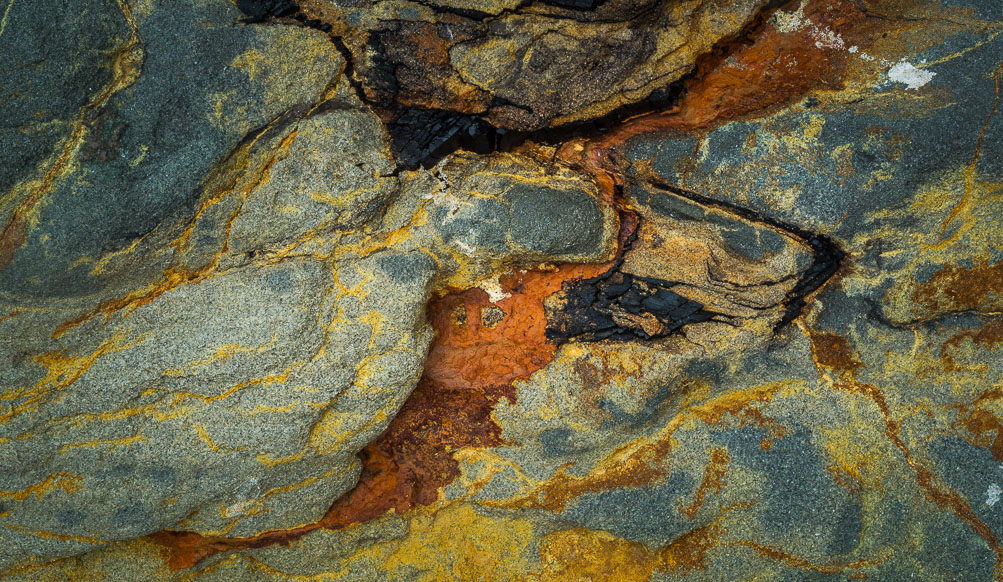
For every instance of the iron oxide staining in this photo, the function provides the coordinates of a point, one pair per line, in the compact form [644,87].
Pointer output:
[438,74]
[482,349]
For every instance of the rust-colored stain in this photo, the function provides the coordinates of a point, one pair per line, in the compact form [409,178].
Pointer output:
[983,424]
[636,465]
[426,76]
[478,354]
[956,288]
[772,66]
[688,552]
[833,351]
[470,367]
[985,336]
[763,70]
[583,554]
[14,235]
[713,480]
[799,563]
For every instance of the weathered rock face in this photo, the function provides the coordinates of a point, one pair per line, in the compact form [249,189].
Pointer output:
[525,66]
[219,373]
[746,326]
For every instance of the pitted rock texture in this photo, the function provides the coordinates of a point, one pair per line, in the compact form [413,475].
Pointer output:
[219,372]
[746,326]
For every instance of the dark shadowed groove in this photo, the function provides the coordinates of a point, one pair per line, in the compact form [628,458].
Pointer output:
[442,132]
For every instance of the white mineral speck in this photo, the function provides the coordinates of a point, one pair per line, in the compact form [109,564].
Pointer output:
[493,288]
[993,494]
[913,78]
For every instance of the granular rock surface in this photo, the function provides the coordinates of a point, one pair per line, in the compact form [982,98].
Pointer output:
[501,290]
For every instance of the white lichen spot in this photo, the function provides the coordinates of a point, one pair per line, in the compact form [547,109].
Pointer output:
[493,288]
[787,22]
[904,72]
[237,509]
[248,491]
[464,248]
[852,50]
[993,494]
[826,38]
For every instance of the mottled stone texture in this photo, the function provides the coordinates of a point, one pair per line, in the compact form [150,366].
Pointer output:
[745,327]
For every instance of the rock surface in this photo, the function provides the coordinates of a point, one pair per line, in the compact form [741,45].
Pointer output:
[260,319]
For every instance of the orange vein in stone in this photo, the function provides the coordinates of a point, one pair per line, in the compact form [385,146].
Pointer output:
[798,562]
[970,171]
[125,68]
[848,382]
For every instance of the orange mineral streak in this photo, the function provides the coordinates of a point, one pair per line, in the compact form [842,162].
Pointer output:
[799,563]
[640,463]
[766,68]
[479,352]
[978,416]
[473,362]
[833,354]
[174,277]
[713,480]
[986,337]
[126,64]
[583,554]
[987,430]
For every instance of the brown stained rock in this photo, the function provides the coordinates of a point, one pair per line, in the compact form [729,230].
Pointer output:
[730,265]
[533,66]
[782,55]
[717,441]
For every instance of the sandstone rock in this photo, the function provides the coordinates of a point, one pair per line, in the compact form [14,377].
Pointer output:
[218,373]
[753,336]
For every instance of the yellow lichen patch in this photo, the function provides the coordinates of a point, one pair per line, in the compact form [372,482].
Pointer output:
[222,353]
[481,466]
[25,201]
[174,277]
[594,556]
[970,171]
[237,176]
[41,533]
[203,434]
[959,233]
[269,68]
[334,428]
[641,462]
[458,543]
[62,370]
[65,482]
[586,555]
[178,397]
[851,448]
[110,443]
